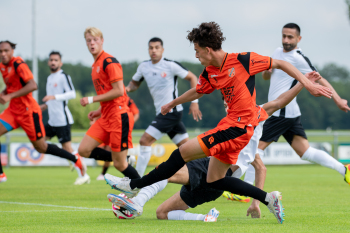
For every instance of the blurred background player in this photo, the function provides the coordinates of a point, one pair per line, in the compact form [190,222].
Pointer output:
[287,121]
[161,76]
[23,111]
[135,112]
[116,122]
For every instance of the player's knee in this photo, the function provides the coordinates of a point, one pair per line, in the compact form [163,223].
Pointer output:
[144,141]
[41,148]
[161,214]
[83,152]
[120,166]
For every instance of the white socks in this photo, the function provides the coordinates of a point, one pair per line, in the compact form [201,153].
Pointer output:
[148,192]
[182,215]
[250,173]
[320,157]
[143,159]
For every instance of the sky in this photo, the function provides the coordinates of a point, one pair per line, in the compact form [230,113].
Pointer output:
[250,25]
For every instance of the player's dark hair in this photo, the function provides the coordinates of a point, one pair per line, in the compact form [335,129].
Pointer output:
[13,45]
[207,35]
[292,26]
[56,53]
[156,39]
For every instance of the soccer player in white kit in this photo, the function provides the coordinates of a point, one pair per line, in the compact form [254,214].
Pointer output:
[161,77]
[287,121]
[60,89]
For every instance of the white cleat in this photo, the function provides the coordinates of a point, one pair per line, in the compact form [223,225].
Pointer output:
[121,212]
[121,184]
[131,160]
[212,216]
[82,180]
[275,205]
[100,177]
[124,202]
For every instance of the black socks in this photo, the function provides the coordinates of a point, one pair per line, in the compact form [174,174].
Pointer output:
[104,170]
[1,171]
[101,154]
[130,172]
[163,171]
[55,150]
[239,187]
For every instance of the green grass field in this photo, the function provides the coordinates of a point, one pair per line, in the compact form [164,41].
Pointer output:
[316,199]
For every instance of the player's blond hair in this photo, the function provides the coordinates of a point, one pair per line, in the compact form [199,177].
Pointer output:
[93,31]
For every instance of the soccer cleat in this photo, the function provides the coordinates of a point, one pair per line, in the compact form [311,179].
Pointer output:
[3,178]
[121,212]
[275,205]
[121,184]
[80,165]
[82,180]
[212,216]
[100,177]
[124,202]
[235,197]
[347,174]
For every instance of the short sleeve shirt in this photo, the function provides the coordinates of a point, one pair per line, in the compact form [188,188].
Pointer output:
[235,78]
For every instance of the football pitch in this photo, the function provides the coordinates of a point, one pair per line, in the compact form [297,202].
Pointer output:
[37,199]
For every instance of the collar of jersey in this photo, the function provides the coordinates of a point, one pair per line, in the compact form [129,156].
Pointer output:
[157,62]
[102,52]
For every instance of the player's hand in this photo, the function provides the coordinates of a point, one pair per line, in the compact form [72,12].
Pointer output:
[166,108]
[84,101]
[319,90]
[127,88]
[313,76]
[254,211]
[343,105]
[48,97]
[43,107]
[4,99]
[94,115]
[196,113]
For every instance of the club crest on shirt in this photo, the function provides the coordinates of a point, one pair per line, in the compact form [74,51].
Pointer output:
[9,69]
[231,72]
[3,69]
[199,81]
[163,74]
[55,85]
[98,69]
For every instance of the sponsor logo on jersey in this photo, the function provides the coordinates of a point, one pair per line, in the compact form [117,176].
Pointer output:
[211,139]
[254,61]
[109,60]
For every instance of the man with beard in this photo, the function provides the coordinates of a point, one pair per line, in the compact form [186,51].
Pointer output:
[286,121]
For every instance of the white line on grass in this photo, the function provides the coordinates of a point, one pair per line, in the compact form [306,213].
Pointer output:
[48,205]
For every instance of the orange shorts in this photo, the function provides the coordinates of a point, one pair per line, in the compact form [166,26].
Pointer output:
[226,141]
[31,122]
[114,132]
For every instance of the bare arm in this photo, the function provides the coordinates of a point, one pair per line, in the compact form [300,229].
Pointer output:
[315,90]
[136,117]
[188,96]
[266,75]
[341,103]
[194,108]
[117,91]
[132,86]
[29,87]
[260,176]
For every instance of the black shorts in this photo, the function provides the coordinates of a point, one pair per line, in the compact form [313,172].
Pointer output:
[198,192]
[274,127]
[62,132]
[170,123]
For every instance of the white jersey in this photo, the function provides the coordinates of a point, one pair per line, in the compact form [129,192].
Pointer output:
[281,82]
[60,85]
[161,79]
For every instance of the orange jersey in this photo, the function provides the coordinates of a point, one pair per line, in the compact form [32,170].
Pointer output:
[236,81]
[132,106]
[16,74]
[105,71]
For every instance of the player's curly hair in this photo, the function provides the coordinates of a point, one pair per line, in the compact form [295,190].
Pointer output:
[207,35]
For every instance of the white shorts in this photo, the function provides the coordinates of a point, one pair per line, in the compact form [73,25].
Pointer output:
[247,154]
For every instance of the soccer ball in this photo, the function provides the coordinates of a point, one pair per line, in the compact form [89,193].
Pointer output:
[121,212]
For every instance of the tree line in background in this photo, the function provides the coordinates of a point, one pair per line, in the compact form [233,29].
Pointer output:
[317,113]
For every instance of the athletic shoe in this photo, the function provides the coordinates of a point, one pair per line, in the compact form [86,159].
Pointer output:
[100,177]
[3,178]
[347,174]
[80,165]
[235,197]
[121,212]
[131,160]
[121,184]
[212,216]
[82,180]
[122,201]
[275,205]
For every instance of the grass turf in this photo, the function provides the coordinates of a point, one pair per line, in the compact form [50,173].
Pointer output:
[316,199]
